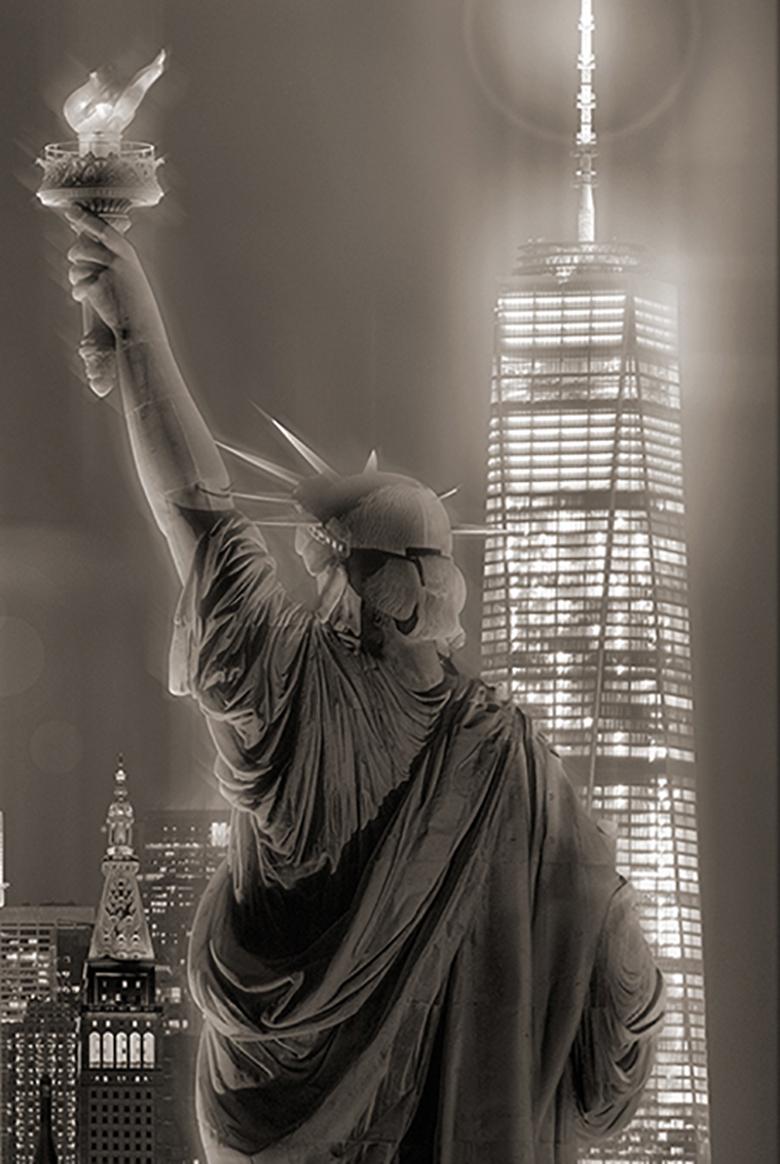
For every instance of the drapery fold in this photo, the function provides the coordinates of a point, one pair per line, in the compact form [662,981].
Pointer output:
[420,949]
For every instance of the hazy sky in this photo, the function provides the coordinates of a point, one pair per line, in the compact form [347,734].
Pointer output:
[346,180]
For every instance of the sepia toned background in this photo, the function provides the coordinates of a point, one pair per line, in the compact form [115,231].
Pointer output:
[346,180]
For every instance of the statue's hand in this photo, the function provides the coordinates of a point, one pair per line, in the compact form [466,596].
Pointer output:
[105,272]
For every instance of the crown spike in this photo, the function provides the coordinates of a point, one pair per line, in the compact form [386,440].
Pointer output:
[266,498]
[313,459]
[481,531]
[448,493]
[262,464]
[291,522]
[372,464]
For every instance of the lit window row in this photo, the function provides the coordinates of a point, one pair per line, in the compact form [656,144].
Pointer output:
[524,297]
[121,1049]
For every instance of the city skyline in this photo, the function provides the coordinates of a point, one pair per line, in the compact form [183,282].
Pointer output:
[373,192]
[107,987]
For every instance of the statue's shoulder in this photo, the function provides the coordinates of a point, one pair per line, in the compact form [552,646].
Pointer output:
[494,701]
[490,707]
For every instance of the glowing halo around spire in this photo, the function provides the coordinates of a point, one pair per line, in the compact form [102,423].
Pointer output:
[498,53]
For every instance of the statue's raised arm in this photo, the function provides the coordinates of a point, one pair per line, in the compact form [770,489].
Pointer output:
[178,463]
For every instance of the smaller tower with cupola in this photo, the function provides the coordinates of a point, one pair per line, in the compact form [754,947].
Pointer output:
[120,1019]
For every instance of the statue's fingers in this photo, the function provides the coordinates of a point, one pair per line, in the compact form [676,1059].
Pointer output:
[89,250]
[91,224]
[77,272]
[81,290]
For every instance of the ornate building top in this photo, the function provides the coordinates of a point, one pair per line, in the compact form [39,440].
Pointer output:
[119,822]
[121,931]
[566,260]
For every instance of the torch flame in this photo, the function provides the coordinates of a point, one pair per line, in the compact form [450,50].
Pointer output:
[102,109]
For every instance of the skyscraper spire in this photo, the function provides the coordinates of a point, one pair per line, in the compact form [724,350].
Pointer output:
[585,139]
[3,882]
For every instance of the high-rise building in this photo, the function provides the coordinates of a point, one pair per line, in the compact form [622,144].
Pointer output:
[42,953]
[120,1020]
[44,1045]
[42,950]
[585,618]
[180,849]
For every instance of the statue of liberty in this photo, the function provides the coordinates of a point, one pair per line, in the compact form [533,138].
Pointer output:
[419,950]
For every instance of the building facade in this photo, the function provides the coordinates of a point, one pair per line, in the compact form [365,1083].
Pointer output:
[42,953]
[46,1149]
[43,1044]
[179,849]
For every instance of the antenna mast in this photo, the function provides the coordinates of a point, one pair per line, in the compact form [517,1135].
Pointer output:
[3,882]
[585,140]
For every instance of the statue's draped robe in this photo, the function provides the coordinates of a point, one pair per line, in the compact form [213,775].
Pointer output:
[419,950]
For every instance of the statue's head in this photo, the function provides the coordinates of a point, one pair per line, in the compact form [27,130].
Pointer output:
[376,542]
[388,539]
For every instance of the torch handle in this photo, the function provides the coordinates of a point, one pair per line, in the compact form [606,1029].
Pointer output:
[97,350]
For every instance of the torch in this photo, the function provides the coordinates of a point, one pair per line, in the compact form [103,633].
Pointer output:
[101,173]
